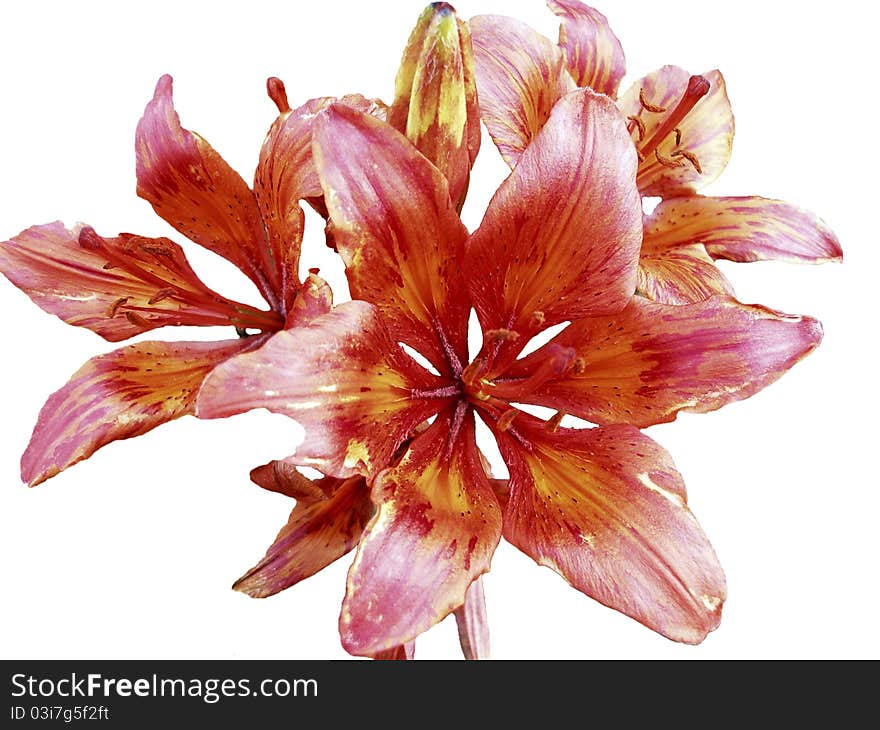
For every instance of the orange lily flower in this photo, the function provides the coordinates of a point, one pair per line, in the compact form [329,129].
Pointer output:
[682,128]
[604,507]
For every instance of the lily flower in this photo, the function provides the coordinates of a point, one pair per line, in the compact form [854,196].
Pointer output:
[123,286]
[605,506]
[682,128]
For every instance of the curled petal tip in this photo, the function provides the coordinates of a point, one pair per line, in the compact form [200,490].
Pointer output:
[163,86]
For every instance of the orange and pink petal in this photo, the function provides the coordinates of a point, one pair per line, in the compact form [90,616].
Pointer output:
[192,187]
[651,361]
[560,240]
[743,229]
[343,378]
[117,287]
[593,55]
[679,274]
[606,509]
[520,77]
[317,533]
[122,394]
[436,527]
[397,231]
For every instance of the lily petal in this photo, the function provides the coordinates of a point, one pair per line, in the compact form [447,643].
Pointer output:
[698,108]
[342,378]
[397,231]
[678,274]
[647,363]
[192,188]
[316,534]
[606,509]
[117,287]
[436,527]
[743,229]
[405,652]
[593,54]
[560,239]
[520,77]
[282,476]
[286,174]
[473,626]
[119,395]
[435,102]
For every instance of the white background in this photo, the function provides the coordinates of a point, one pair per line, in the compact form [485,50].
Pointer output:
[131,553]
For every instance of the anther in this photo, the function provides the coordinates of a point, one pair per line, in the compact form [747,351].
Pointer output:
[640,125]
[137,320]
[537,319]
[89,239]
[506,419]
[114,307]
[552,424]
[501,335]
[162,294]
[690,157]
[155,247]
[666,161]
[109,265]
[677,136]
[648,106]
[579,366]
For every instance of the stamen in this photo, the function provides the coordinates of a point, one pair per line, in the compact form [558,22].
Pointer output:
[162,294]
[537,319]
[552,424]
[502,335]
[690,157]
[114,307]
[278,94]
[640,125]
[137,320]
[108,266]
[666,161]
[677,137]
[506,419]
[648,106]
[558,361]
[472,373]
[697,88]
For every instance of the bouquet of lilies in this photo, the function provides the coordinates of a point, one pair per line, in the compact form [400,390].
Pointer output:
[389,388]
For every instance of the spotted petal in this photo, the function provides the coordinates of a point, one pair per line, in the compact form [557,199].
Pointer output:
[698,108]
[742,229]
[397,231]
[650,361]
[593,54]
[194,190]
[342,378]
[560,239]
[434,532]
[435,101]
[120,395]
[317,533]
[117,287]
[520,76]
[606,509]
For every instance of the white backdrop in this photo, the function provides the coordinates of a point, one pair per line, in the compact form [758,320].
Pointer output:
[131,553]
